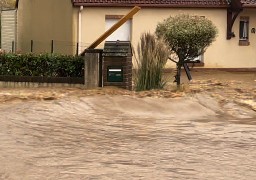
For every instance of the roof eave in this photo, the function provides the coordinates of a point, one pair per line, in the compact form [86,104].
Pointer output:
[150,5]
[249,6]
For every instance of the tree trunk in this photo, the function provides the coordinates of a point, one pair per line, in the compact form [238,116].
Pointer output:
[178,75]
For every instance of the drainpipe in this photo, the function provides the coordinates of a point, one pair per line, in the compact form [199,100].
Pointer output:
[79,38]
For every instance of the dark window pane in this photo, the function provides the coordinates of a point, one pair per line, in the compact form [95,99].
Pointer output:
[241,29]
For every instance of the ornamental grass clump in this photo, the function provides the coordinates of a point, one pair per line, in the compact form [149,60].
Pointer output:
[152,56]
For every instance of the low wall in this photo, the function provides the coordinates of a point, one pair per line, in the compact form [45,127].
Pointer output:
[34,85]
[27,81]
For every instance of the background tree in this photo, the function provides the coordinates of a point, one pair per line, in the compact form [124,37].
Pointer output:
[7,4]
[188,37]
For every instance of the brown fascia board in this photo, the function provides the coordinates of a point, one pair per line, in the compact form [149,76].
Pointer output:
[150,5]
[249,6]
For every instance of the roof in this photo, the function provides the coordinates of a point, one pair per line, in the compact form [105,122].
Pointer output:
[157,3]
[151,3]
[160,3]
[249,3]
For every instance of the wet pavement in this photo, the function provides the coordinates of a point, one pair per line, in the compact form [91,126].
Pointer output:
[126,137]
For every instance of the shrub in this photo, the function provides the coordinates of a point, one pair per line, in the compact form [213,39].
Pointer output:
[47,65]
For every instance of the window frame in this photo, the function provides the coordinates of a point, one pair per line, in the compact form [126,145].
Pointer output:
[244,31]
[118,17]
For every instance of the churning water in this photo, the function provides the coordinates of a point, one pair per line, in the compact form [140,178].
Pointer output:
[123,138]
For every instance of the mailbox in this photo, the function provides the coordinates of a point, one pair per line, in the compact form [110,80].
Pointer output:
[117,64]
[115,74]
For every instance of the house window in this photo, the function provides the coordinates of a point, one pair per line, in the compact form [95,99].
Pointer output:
[244,31]
[123,33]
[197,62]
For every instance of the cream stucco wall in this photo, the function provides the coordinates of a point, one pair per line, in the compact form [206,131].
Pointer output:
[242,56]
[222,53]
[46,20]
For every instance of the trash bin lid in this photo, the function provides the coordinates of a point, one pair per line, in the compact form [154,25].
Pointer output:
[117,49]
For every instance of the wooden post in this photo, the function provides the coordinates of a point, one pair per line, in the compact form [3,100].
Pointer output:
[77,48]
[31,46]
[12,46]
[100,69]
[52,47]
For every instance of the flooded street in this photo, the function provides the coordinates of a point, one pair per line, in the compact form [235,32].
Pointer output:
[126,137]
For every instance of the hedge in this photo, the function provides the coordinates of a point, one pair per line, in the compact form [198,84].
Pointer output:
[44,65]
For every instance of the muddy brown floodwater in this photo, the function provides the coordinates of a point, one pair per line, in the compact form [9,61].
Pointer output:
[208,131]
[126,137]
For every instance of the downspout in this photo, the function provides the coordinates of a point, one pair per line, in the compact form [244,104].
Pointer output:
[79,38]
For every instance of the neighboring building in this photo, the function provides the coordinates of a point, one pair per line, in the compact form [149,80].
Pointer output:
[43,21]
[9,30]
[68,22]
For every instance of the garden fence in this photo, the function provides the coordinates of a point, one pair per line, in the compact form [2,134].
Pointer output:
[51,46]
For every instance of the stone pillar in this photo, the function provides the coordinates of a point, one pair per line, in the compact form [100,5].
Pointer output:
[91,70]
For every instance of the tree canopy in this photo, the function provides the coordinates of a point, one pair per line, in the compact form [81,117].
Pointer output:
[188,36]
[7,3]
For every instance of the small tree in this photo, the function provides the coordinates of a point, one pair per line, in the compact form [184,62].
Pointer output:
[152,56]
[188,37]
[7,3]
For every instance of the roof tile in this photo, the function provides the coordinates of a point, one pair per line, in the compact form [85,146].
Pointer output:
[249,3]
[161,3]
[153,3]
